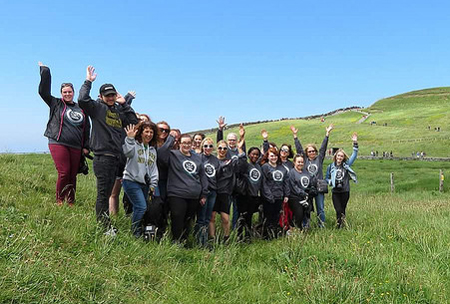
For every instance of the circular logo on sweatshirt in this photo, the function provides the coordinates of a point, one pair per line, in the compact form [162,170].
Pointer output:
[189,166]
[304,180]
[277,175]
[210,170]
[254,175]
[234,157]
[73,117]
[340,174]
[312,168]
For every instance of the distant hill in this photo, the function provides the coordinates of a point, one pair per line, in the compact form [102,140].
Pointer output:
[402,124]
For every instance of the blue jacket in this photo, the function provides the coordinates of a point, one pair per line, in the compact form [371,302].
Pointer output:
[331,169]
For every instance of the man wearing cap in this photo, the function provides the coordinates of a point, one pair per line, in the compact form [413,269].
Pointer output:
[108,120]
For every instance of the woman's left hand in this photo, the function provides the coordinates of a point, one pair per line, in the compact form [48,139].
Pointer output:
[203,201]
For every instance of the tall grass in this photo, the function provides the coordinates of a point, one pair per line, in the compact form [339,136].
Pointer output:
[395,248]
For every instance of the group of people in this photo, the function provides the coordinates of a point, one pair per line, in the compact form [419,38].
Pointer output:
[158,165]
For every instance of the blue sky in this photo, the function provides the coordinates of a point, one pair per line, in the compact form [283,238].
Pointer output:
[191,61]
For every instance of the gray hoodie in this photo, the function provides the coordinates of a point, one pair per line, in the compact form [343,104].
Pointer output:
[140,161]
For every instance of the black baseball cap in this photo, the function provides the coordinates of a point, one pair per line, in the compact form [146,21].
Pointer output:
[107,89]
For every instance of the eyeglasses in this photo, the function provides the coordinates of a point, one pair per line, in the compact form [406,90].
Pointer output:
[312,151]
[222,148]
[208,146]
[164,130]
[284,150]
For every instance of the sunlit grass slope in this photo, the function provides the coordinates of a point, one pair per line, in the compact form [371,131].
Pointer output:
[402,123]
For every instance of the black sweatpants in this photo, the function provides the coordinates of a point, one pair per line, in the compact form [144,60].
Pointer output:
[300,213]
[340,200]
[247,205]
[182,212]
[272,212]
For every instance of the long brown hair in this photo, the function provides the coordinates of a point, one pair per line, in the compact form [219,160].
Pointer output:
[265,158]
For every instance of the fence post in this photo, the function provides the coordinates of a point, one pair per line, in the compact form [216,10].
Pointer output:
[392,183]
[441,180]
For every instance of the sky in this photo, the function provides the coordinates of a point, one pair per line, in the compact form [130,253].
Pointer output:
[193,61]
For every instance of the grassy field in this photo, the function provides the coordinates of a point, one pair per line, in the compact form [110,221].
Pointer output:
[396,248]
[407,117]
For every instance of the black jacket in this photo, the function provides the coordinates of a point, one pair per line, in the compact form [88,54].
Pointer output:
[107,122]
[57,110]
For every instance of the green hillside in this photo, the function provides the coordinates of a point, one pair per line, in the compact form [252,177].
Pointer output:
[407,117]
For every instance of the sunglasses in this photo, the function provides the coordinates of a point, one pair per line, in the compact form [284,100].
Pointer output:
[284,150]
[66,84]
[222,148]
[208,146]
[164,130]
[312,151]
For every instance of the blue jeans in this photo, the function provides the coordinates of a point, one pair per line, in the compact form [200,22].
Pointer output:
[137,193]
[204,217]
[320,208]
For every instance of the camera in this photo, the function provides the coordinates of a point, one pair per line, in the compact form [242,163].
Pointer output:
[83,167]
[150,233]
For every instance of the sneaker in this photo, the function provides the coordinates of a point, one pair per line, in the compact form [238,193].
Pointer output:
[112,232]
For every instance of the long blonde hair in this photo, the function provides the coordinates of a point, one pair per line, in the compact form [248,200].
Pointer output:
[343,152]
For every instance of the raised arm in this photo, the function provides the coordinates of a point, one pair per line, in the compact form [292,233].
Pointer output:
[242,137]
[222,125]
[46,84]
[265,136]
[85,101]
[129,97]
[298,145]
[323,147]
[352,158]
[164,150]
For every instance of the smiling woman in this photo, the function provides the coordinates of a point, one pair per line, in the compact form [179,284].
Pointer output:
[68,135]
[339,174]
[187,183]
[141,172]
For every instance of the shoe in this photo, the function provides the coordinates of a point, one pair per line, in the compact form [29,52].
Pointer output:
[112,232]
[320,224]
[59,202]
[71,204]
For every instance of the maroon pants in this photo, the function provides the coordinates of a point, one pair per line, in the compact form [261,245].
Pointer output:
[67,161]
